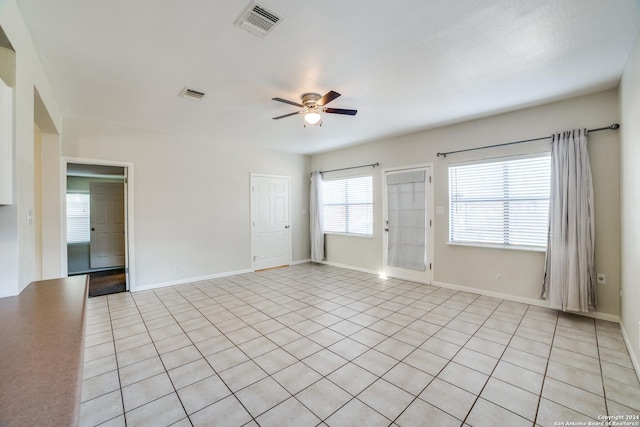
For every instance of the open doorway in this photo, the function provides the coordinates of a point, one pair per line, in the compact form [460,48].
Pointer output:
[97,226]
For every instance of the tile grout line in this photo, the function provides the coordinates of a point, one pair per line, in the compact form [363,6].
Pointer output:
[115,353]
[450,359]
[546,368]
[604,390]
[253,418]
[490,375]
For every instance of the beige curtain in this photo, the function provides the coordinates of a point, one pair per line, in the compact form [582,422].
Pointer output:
[569,279]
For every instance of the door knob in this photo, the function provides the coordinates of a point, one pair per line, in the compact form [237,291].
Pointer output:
[286,226]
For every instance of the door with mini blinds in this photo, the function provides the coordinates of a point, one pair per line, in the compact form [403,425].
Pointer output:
[271,230]
[107,247]
[407,224]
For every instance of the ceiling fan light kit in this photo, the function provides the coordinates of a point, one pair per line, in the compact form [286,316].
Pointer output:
[312,105]
[313,118]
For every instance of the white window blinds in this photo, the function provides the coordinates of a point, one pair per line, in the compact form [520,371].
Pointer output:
[503,203]
[78,218]
[348,205]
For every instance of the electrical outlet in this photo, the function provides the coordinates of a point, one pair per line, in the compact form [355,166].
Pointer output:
[602,278]
[499,278]
[178,267]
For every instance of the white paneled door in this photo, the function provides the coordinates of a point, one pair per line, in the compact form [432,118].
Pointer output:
[407,224]
[107,247]
[271,229]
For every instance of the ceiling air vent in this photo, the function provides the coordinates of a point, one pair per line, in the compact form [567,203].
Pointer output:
[192,94]
[258,20]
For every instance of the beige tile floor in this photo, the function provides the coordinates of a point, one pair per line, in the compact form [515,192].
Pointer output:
[315,345]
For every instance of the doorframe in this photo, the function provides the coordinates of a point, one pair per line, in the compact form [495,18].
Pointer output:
[252,219]
[430,217]
[129,214]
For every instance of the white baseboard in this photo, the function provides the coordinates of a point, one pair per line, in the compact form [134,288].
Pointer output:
[190,280]
[524,300]
[635,360]
[348,267]
[201,278]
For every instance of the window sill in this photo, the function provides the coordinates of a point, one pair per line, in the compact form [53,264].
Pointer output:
[494,246]
[367,236]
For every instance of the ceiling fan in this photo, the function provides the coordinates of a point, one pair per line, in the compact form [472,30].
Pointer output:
[313,104]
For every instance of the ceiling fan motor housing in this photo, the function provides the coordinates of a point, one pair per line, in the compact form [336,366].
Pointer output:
[309,100]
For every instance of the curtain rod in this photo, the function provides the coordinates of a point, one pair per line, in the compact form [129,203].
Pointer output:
[372,165]
[612,127]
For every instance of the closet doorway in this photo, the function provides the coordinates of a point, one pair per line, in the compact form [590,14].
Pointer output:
[96,207]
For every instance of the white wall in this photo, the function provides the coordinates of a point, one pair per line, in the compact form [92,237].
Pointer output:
[192,197]
[17,238]
[476,268]
[51,207]
[630,207]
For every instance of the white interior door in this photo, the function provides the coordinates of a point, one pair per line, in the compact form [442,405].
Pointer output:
[107,247]
[407,224]
[271,235]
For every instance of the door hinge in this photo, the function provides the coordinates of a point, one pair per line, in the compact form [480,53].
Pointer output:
[429,266]
[253,188]
[430,223]
[254,258]
[429,179]
[126,180]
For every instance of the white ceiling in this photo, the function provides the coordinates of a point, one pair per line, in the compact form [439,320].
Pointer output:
[404,65]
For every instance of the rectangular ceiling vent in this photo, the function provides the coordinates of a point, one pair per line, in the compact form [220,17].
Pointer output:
[192,94]
[258,20]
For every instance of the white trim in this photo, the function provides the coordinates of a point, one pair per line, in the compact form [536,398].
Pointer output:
[349,267]
[400,277]
[191,280]
[430,211]
[525,300]
[497,246]
[302,261]
[129,245]
[288,178]
[632,354]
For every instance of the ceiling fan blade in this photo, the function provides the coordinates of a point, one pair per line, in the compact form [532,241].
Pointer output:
[327,98]
[287,115]
[288,102]
[340,111]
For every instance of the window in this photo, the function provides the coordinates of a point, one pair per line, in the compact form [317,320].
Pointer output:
[78,224]
[500,203]
[348,205]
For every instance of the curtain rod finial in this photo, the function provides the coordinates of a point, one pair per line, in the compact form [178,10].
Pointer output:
[614,126]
